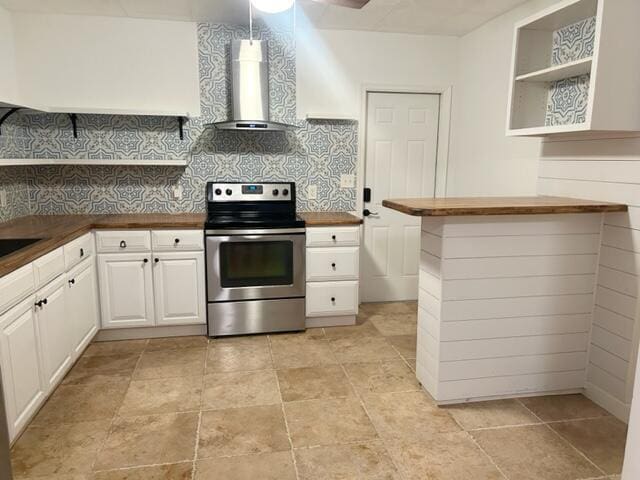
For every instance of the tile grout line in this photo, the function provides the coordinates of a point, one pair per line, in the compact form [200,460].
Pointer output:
[199,426]
[284,415]
[115,413]
[380,437]
[564,440]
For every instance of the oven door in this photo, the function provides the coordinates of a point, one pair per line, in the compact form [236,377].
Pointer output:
[247,266]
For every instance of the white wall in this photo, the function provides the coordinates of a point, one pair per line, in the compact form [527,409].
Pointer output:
[102,64]
[8,81]
[333,65]
[483,161]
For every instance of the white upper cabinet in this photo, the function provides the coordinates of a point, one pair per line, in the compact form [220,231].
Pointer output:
[103,65]
[575,68]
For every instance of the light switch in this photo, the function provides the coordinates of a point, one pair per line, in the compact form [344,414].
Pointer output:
[312,192]
[177,192]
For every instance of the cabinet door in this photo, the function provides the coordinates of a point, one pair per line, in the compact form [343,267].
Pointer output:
[55,331]
[179,288]
[82,305]
[20,364]
[126,290]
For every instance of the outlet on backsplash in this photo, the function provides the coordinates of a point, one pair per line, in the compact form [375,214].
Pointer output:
[347,181]
[177,192]
[312,192]
[3,198]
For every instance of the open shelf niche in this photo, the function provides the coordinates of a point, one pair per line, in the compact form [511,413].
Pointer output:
[555,58]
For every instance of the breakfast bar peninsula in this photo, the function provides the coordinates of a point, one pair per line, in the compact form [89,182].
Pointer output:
[506,294]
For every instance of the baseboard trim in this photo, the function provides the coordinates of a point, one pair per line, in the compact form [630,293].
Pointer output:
[607,401]
[320,322]
[509,395]
[108,335]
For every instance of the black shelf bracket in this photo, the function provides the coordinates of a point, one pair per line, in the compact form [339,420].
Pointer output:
[181,127]
[7,115]
[74,123]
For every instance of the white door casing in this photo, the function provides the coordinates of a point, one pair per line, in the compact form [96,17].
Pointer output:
[126,290]
[400,162]
[179,286]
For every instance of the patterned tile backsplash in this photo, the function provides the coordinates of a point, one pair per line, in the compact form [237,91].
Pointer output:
[568,98]
[316,153]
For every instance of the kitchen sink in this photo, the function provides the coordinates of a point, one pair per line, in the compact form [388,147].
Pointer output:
[10,245]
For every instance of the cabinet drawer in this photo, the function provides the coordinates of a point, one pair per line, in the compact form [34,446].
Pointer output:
[48,267]
[78,250]
[15,286]
[337,263]
[123,241]
[333,236]
[176,240]
[332,298]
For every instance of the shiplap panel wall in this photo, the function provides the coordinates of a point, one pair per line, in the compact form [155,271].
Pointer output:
[606,169]
[505,304]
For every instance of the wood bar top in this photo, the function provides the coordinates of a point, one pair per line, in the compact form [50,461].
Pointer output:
[329,219]
[57,230]
[438,207]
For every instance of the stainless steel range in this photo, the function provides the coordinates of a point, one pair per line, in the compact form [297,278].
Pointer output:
[255,247]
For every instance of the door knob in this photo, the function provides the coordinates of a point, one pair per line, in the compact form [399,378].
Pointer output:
[366,212]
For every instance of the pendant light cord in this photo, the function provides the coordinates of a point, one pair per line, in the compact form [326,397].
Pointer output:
[250,22]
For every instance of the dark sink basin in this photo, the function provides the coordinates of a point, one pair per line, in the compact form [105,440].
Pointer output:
[10,245]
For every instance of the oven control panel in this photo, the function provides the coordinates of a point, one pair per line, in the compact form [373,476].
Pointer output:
[250,192]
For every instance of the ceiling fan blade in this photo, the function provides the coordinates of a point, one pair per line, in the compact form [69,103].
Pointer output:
[345,3]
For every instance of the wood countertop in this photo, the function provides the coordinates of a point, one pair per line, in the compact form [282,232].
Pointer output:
[438,207]
[329,219]
[57,230]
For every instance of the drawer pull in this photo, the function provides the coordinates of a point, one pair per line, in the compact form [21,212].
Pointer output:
[333,265]
[176,241]
[156,260]
[72,281]
[333,237]
[333,299]
[123,244]
[146,260]
[81,252]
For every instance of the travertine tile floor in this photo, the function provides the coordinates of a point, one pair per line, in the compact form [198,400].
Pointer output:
[334,403]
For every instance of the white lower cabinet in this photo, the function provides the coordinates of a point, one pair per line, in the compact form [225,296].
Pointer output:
[21,369]
[126,289]
[161,286]
[55,331]
[179,291]
[332,275]
[82,305]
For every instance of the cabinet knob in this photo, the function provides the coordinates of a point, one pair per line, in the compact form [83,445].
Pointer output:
[333,265]
[72,281]
[44,301]
[146,260]
[333,299]
[176,241]
[82,252]
[333,237]
[123,244]
[156,260]
[38,304]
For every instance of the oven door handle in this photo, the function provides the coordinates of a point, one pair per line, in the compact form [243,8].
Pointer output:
[256,231]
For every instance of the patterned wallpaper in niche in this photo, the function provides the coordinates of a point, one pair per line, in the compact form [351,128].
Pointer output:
[567,101]
[318,152]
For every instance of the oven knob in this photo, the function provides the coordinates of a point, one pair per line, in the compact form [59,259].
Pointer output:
[218,191]
[285,192]
[275,192]
[228,191]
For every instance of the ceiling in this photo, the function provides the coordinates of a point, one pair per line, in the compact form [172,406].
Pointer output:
[436,17]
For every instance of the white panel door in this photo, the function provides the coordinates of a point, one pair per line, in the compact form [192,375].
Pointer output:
[400,162]
[126,290]
[179,282]
[82,305]
[55,331]
[20,365]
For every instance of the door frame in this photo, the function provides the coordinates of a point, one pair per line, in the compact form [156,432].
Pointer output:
[444,129]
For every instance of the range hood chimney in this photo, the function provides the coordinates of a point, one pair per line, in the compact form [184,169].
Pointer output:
[250,88]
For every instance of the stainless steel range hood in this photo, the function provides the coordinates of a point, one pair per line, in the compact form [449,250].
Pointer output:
[250,88]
